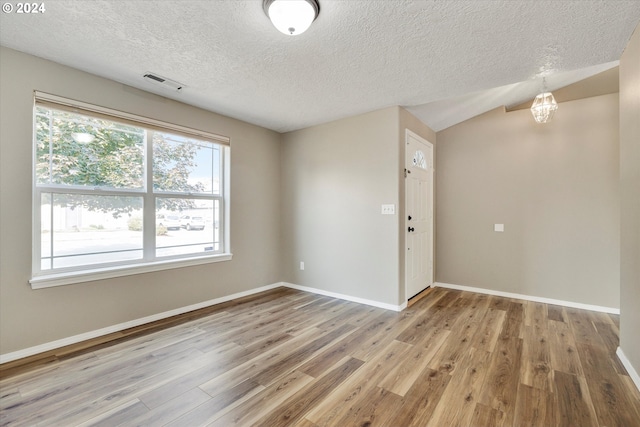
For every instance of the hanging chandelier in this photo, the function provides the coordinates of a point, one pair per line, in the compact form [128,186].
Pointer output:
[544,105]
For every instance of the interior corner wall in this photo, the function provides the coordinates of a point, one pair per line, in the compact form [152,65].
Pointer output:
[335,177]
[630,200]
[33,317]
[554,186]
[410,122]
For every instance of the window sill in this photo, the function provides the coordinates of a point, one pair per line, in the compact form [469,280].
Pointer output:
[69,278]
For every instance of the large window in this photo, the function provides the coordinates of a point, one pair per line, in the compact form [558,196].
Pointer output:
[112,190]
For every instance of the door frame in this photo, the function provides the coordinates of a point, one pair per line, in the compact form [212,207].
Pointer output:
[405,223]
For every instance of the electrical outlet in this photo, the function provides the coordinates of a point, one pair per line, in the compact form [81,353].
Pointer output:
[498,227]
[388,209]
[301,265]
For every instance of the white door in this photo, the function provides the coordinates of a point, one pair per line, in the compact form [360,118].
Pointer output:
[418,214]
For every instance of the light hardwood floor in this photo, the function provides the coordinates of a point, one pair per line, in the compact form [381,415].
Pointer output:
[290,358]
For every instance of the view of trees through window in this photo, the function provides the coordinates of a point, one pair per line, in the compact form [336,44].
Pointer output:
[100,184]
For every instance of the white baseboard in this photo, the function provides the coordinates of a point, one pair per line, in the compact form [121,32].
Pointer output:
[629,367]
[347,297]
[531,298]
[9,357]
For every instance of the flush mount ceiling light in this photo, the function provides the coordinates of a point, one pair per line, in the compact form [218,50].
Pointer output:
[544,105]
[291,17]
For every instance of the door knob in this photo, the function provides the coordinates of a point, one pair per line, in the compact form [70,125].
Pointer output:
[411,229]
[409,217]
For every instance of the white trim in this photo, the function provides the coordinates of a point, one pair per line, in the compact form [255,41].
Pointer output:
[409,133]
[9,357]
[43,98]
[149,260]
[530,298]
[68,278]
[629,367]
[347,297]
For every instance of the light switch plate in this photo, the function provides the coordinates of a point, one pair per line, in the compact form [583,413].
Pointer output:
[388,209]
[498,227]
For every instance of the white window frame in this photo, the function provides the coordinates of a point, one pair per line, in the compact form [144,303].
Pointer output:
[149,262]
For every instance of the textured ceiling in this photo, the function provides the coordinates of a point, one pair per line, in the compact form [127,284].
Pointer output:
[434,57]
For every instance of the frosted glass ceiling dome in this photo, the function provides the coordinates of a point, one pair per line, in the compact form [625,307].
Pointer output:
[291,17]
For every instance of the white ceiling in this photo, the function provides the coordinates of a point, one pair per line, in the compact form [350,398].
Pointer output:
[444,60]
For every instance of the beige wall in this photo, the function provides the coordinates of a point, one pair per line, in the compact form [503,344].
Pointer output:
[32,317]
[555,187]
[335,177]
[630,200]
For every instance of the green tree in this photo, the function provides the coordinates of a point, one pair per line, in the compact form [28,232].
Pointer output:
[113,158]
[173,159]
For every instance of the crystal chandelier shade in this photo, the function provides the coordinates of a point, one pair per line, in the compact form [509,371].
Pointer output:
[544,106]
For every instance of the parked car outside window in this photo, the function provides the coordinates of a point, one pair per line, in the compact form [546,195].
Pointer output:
[192,222]
[171,222]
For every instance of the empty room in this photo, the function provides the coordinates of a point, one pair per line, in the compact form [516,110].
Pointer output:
[320,213]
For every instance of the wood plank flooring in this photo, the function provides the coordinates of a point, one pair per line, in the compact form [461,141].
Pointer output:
[290,358]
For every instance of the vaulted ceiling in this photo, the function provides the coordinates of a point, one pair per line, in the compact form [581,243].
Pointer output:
[445,60]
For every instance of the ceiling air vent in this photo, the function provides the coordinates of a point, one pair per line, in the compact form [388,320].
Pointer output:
[163,81]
